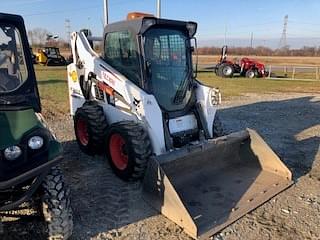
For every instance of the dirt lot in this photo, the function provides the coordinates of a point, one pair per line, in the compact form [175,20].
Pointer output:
[107,208]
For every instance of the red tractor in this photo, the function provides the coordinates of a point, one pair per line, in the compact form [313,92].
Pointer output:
[247,67]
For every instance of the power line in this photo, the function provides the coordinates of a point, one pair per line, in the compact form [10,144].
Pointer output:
[73,10]
[305,23]
[250,26]
[257,24]
[61,11]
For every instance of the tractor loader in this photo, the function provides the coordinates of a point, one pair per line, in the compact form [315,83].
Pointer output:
[247,67]
[139,103]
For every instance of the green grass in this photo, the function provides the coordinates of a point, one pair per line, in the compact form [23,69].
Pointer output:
[53,88]
[52,82]
[238,86]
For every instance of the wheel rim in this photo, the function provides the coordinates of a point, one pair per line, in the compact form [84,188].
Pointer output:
[82,131]
[227,70]
[251,74]
[118,152]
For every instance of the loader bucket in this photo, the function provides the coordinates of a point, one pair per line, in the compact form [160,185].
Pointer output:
[206,187]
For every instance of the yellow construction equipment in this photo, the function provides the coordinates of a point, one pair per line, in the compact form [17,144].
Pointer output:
[50,56]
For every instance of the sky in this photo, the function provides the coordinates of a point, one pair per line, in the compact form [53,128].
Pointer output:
[233,20]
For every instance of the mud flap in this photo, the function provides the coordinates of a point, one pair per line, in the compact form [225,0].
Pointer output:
[206,187]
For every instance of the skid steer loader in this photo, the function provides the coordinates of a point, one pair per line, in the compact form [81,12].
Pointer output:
[140,104]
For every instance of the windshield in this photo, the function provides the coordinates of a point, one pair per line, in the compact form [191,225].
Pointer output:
[12,62]
[168,63]
[52,52]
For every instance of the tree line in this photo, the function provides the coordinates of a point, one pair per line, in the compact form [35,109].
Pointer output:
[262,51]
[39,37]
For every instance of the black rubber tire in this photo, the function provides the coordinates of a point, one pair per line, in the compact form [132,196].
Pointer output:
[219,70]
[216,69]
[217,128]
[63,61]
[137,147]
[56,207]
[222,70]
[251,73]
[49,62]
[97,125]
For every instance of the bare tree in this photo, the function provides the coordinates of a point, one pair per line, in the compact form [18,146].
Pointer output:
[31,37]
[40,36]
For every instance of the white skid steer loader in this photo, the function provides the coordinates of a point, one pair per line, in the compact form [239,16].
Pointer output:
[139,103]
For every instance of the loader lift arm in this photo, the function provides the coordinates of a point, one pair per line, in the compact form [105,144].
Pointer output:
[87,63]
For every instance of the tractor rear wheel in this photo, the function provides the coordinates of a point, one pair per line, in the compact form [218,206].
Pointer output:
[226,71]
[251,73]
[128,150]
[56,207]
[90,126]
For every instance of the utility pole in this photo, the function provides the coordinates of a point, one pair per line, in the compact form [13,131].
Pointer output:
[158,8]
[251,40]
[68,30]
[225,35]
[106,12]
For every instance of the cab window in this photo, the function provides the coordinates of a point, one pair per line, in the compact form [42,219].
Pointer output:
[13,70]
[121,53]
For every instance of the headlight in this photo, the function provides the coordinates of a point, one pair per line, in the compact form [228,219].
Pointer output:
[35,142]
[215,96]
[12,153]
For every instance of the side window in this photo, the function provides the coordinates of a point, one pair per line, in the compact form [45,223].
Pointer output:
[121,53]
[13,71]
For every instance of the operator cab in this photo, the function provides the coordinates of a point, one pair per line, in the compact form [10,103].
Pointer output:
[17,79]
[52,52]
[156,55]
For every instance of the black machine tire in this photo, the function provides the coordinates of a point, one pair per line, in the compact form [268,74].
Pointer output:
[49,62]
[128,150]
[226,70]
[63,61]
[251,73]
[56,207]
[219,70]
[90,126]
[217,128]
[216,69]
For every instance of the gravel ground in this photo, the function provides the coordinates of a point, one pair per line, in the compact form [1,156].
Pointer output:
[107,208]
